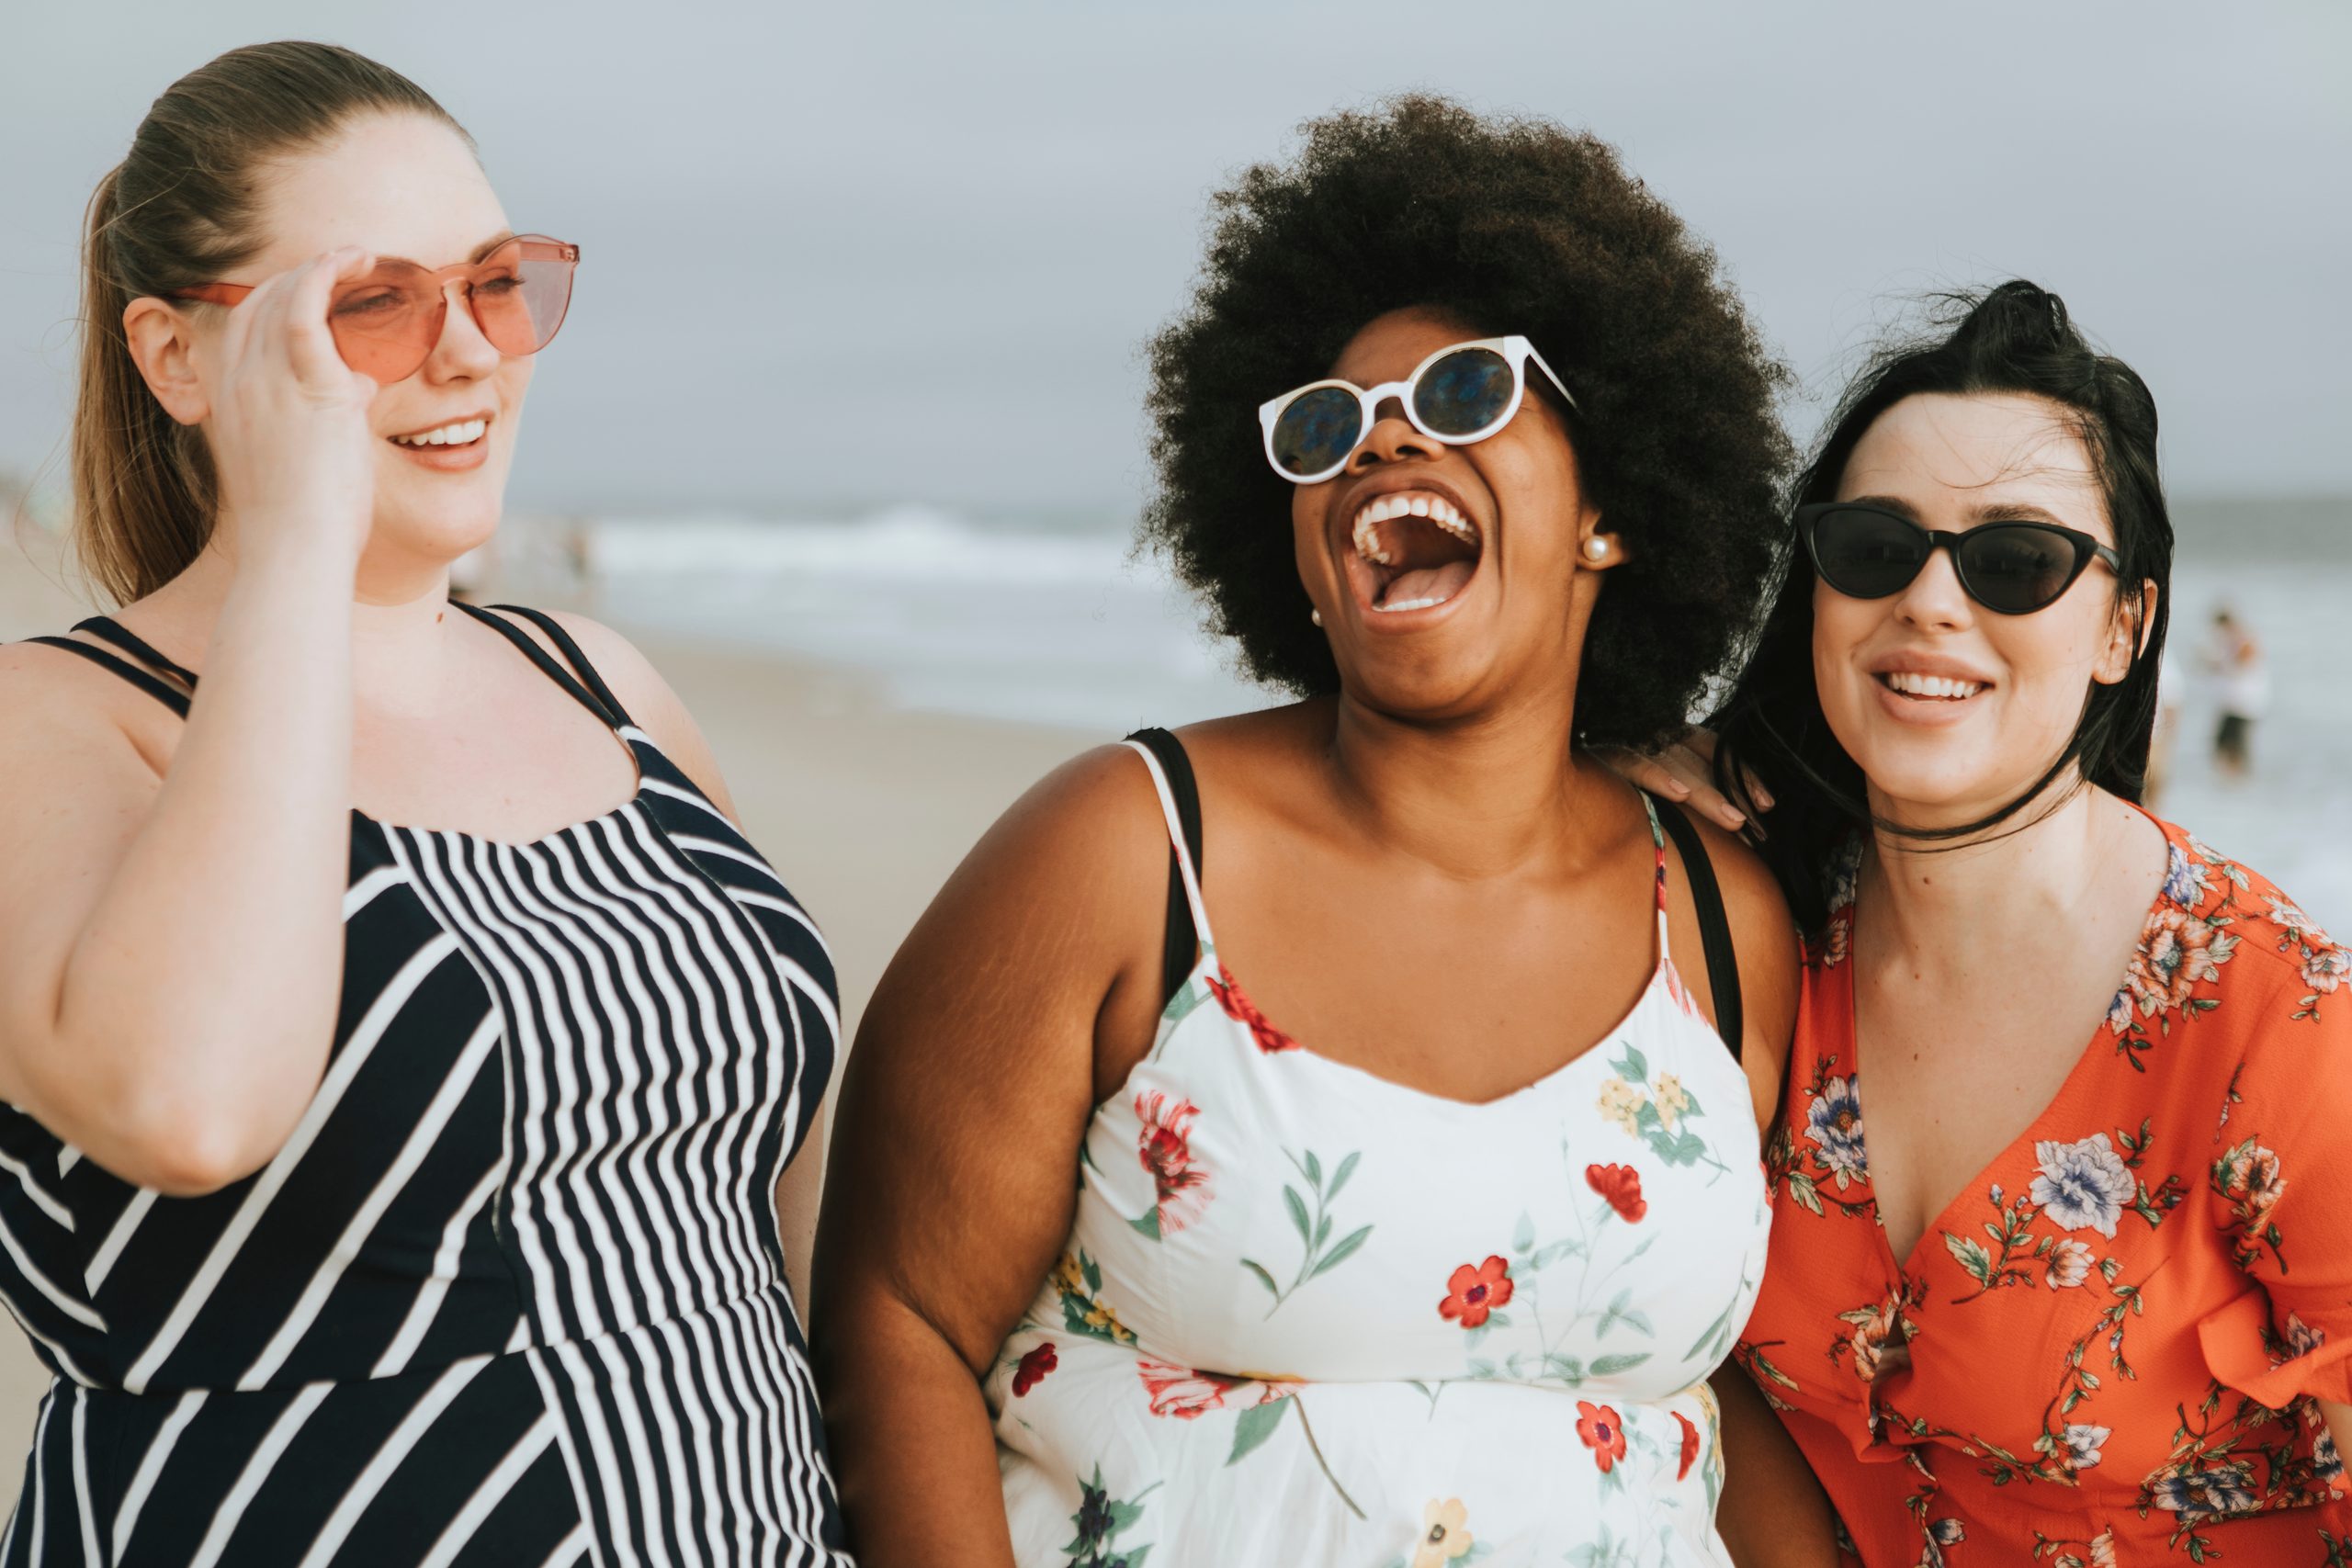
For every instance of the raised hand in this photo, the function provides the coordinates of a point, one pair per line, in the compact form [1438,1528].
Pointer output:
[289,419]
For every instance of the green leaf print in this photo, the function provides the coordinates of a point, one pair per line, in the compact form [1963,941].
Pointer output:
[1632,1066]
[1149,1225]
[1341,1253]
[1970,1255]
[1313,1224]
[1257,1424]
[1606,1366]
[1340,1176]
[1181,1006]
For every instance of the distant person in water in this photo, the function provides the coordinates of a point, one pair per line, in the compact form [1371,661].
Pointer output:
[2242,678]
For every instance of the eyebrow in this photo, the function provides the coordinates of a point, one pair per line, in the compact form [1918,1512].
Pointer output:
[478,252]
[1990,512]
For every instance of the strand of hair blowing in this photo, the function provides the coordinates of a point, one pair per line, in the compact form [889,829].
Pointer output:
[180,210]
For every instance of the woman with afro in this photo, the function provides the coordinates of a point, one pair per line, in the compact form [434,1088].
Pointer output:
[1330,1135]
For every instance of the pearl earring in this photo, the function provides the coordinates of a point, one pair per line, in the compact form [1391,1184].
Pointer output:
[1596,548]
[1315,616]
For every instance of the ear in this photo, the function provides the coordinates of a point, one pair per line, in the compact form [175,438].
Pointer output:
[163,344]
[2127,633]
[1596,549]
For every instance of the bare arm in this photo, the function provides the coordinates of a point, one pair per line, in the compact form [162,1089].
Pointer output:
[953,1180]
[1773,1513]
[170,948]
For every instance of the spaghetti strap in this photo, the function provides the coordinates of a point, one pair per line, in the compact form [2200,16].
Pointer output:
[115,632]
[170,698]
[1657,846]
[1714,925]
[612,716]
[1176,840]
[571,648]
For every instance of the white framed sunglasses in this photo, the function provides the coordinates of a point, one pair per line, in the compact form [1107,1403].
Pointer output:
[1463,392]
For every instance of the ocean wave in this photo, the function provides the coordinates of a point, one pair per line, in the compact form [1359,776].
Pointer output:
[905,544]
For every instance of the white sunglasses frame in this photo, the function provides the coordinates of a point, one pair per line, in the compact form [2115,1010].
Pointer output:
[1515,349]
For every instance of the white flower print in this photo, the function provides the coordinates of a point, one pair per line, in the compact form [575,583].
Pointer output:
[2082,1185]
[2070,1265]
[1834,1121]
[2084,1442]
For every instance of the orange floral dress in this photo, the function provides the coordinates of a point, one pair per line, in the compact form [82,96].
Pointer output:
[2107,1348]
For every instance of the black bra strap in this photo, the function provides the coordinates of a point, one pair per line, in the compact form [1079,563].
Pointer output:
[1184,942]
[612,717]
[112,631]
[170,698]
[1714,925]
[563,639]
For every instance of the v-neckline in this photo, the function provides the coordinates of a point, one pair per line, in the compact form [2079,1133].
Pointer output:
[1907,1264]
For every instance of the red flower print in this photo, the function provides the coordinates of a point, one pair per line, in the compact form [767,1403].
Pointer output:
[1184,1394]
[1690,1446]
[1165,1148]
[1602,1432]
[1473,1292]
[1621,1185]
[1034,1368]
[1241,1009]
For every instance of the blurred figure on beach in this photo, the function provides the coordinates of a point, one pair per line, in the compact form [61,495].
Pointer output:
[2241,690]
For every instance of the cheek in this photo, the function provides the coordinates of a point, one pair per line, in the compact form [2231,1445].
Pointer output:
[513,380]
[1841,626]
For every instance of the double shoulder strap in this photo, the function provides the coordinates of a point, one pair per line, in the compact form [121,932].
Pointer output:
[1182,944]
[587,687]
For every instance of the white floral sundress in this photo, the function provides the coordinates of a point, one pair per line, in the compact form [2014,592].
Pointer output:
[1308,1315]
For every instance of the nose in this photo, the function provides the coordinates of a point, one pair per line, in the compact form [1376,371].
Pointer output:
[1935,599]
[462,353]
[1392,439]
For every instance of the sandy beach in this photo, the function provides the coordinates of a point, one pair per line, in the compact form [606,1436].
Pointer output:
[864,811]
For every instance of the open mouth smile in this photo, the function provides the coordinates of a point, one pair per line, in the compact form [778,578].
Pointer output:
[457,433]
[1929,688]
[1415,549]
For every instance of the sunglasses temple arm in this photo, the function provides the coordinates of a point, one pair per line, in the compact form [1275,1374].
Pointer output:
[1551,376]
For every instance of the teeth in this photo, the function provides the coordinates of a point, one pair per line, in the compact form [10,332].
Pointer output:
[456,434]
[1406,604]
[1916,686]
[1380,509]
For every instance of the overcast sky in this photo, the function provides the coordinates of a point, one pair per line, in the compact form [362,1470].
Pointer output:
[856,253]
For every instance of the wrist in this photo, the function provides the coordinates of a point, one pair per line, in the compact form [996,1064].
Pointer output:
[297,551]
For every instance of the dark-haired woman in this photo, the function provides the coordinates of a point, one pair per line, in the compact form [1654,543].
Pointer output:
[378,1194]
[1309,1140]
[2031,1298]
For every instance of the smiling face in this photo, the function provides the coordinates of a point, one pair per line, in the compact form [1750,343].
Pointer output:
[405,185]
[1951,710]
[1449,578]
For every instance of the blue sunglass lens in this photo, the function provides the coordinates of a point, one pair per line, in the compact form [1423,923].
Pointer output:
[1317,431]
[1463,393]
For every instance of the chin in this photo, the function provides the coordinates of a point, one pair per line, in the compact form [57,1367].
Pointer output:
[442,534]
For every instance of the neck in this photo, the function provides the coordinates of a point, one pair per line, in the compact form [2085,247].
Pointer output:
[1939,911]
[1475,798]
[399,624]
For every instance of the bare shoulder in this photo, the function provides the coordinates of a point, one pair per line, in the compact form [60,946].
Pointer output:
[645,696]
[1063,891]
[55,699]
[1094,821]
[1764,938]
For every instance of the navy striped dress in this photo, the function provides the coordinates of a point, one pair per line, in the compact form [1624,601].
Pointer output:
[513,1292]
